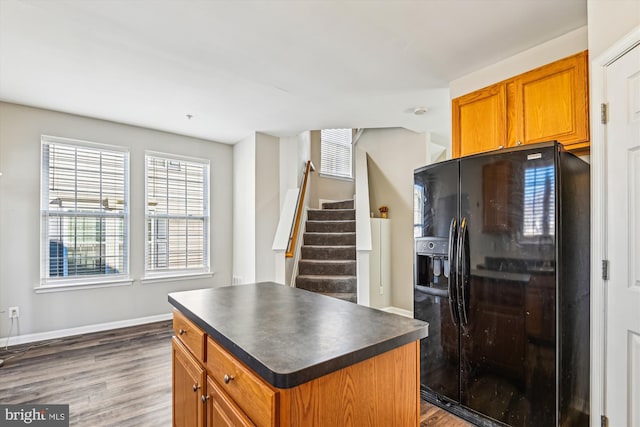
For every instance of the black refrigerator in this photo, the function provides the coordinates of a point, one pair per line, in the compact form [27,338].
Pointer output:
[501,274]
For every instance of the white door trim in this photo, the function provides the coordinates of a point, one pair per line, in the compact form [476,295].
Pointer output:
[599,220]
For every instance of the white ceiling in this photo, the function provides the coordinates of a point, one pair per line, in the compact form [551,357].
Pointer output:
[279,67]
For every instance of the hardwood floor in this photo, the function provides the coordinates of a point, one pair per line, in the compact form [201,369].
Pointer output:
[113,378]
[432,416]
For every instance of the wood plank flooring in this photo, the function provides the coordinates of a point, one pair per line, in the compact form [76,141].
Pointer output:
[433,416]
[114,378]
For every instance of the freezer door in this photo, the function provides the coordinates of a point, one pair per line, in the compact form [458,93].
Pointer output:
[507,286]
[435,206]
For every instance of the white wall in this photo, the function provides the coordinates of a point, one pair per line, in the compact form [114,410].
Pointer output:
[288,166]
[393,155]
[20,131]
[304,152]
[609,21]
[558,48]
[256,207]
[295,151]
[267,204]
[244,210]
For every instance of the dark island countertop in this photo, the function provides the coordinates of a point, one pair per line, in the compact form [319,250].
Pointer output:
[290,336]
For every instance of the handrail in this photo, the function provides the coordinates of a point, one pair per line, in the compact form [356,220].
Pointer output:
[295,227]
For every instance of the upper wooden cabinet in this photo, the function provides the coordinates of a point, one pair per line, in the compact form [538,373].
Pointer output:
[550,102]
[480,120]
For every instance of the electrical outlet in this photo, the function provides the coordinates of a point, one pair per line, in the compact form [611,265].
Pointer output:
[14,312]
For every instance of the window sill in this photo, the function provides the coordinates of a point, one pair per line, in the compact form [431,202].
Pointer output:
[339,178]
[173,277]
[81,285]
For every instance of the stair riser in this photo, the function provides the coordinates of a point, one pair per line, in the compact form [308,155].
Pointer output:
[346,285]
[344,204]
[328,252]
[331,226]
[331,215]
[346,268]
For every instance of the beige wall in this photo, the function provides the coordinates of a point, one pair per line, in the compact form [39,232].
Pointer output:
[393,156]
[20,131]
[323,187]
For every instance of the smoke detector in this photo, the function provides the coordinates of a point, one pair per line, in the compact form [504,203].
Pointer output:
[418,111]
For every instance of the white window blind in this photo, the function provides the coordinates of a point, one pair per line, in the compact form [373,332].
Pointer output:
[335,152]
[84,211]
[539,202]
[177,215]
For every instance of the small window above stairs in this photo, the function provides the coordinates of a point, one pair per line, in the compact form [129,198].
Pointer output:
[328,258]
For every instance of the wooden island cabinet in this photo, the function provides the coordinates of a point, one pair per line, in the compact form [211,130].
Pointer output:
[548,103]
[356,386]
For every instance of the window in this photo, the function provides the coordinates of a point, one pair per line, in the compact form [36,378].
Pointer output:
[85,211]
[335,152]
[177,215]
[539,202]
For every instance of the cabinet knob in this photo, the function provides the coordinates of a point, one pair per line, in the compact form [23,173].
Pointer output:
[182,331]
[500,147]
[227,378]
[204,398]
[518,142]
[195,387]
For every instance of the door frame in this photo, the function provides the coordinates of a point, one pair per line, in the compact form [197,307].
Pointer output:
[599,220]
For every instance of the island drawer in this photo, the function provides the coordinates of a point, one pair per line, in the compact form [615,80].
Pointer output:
[189,334]
[247,390]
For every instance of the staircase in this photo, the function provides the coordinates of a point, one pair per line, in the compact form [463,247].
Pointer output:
[328,259]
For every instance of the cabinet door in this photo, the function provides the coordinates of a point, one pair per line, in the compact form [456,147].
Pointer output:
[553,103]
[221,411]
[479,121]
[188,381]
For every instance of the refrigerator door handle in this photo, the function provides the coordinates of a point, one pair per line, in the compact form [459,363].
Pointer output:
[453,286]
[463,272]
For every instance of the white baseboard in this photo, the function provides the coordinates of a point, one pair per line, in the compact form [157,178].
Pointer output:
[400,311]
[61,333]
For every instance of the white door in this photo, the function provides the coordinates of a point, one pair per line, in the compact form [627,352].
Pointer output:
[622,382]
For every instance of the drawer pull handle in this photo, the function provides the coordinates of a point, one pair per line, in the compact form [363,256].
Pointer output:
[182,332]
[195,387]
[228,378]
[204,398]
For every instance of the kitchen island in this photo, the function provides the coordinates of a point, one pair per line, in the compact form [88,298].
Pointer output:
[270,355]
